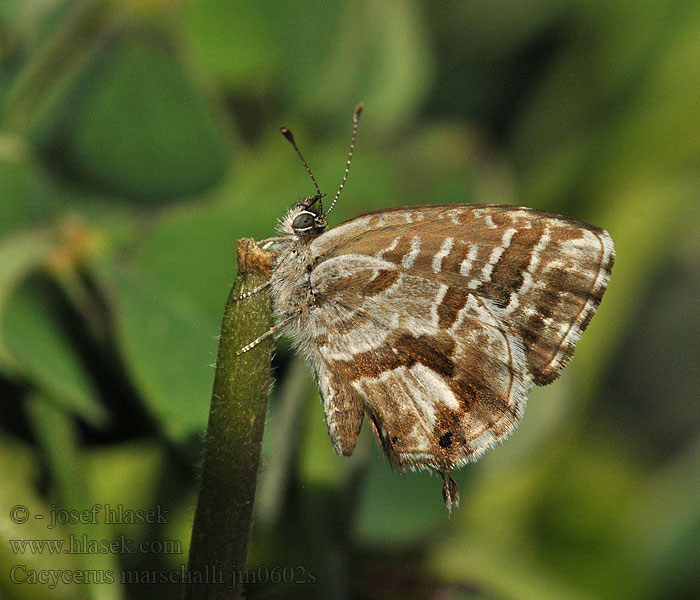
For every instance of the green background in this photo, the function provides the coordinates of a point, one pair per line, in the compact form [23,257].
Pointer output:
[139,140]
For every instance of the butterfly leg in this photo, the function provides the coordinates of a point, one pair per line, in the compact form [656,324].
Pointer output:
[265,335]
[450,491]
[252,292]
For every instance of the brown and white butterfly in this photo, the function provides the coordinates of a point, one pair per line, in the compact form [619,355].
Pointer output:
[433,321]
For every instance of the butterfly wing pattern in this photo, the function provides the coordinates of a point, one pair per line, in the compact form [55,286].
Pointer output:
[435,321]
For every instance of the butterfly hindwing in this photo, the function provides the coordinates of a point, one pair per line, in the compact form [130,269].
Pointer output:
[437,396]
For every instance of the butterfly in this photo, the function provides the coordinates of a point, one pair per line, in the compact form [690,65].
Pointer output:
[433,322]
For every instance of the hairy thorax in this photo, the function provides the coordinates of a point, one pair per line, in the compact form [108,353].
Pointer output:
[290,284]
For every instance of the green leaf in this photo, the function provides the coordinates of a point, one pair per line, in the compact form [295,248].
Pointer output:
[23,186]
[53,69]
[226,42]
[141,129]
[33,344]
[38,347]
[19,256]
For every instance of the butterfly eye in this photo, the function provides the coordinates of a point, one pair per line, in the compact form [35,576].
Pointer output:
[303,222]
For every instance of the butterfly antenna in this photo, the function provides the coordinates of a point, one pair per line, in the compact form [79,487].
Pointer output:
[355,122]
[288,134]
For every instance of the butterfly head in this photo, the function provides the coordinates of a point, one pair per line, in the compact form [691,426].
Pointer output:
[305,219]
[308,217]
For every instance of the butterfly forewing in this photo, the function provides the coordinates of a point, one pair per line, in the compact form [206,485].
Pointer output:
[436,320]
[543,273]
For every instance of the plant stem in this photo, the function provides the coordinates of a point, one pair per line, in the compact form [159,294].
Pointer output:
[224,510]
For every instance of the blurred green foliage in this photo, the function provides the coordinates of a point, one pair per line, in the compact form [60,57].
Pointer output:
[138,141]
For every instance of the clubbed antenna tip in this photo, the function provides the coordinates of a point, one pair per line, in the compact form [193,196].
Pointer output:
[358,110]
[290,138]
[288,134]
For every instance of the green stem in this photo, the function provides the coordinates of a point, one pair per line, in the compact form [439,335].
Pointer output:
[224,510]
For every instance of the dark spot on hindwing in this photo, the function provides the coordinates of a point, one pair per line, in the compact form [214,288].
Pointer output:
[446,440]
[448,436]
